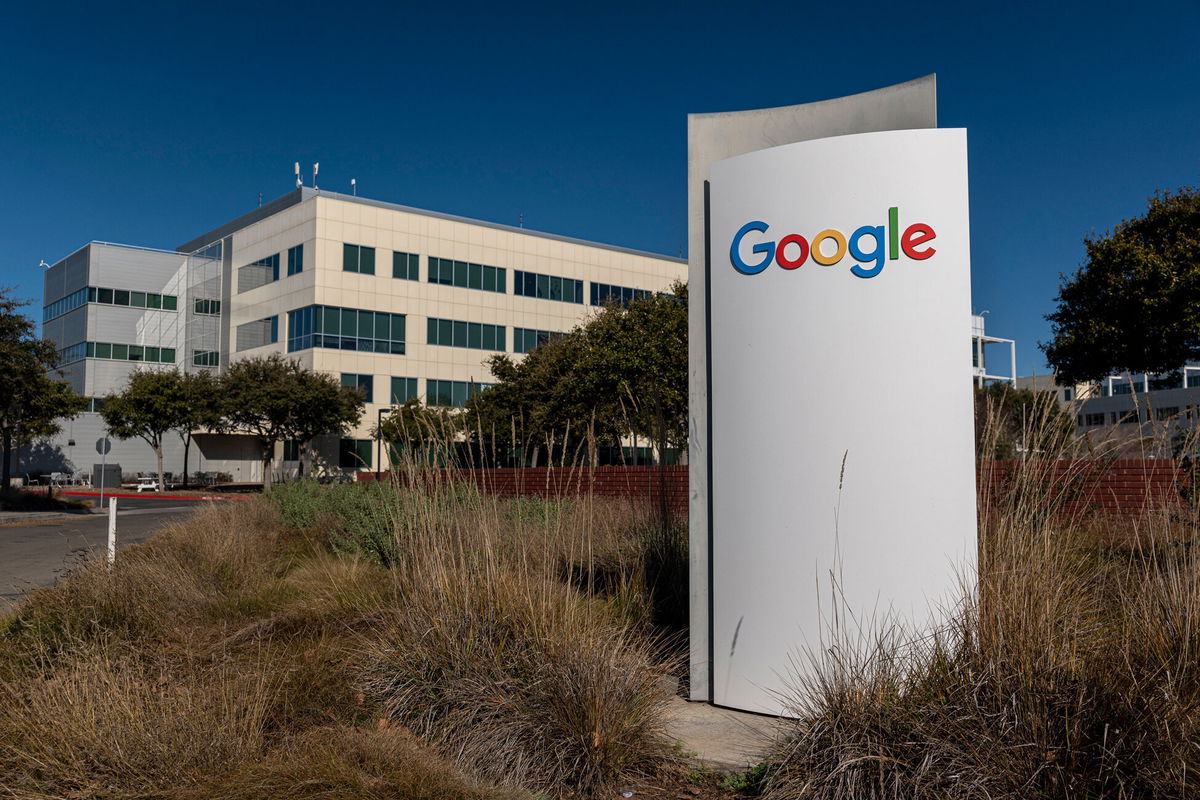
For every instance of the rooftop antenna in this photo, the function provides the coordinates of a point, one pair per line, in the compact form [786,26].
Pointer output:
[260,199]
[521,220]
[299,182]
[354,186]
[316,169]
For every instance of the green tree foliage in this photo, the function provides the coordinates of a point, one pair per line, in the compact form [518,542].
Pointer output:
[422,433]
[1013,423]
[622,372]
[152,404]
[1135,303]
[201,410]
[32,397]
[275,398]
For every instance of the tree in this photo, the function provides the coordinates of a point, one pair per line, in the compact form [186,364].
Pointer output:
[201,410]
[32,397]
[275,398]
[422,431]
[1134,305]
[152,404]
[622,372]
[1011,422]
[322,405]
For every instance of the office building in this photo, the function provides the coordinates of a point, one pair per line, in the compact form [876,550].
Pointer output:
[397,301]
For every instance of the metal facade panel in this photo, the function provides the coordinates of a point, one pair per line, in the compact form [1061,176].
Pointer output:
[131,268]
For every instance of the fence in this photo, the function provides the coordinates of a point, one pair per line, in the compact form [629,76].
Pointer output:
[1124,486]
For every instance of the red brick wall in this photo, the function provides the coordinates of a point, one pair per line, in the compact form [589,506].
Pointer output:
[651,483]
[1113,486]
[1123,486]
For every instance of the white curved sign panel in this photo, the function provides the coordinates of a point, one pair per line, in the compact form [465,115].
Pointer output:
[842,445]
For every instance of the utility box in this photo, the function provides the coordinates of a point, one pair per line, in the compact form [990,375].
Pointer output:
[107,476]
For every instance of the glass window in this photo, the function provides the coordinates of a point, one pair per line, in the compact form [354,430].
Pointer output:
[103,350]
[460,334]
[445,332]
[120,352]
[366,324]
[136,352]
[169,302]
[366,260]
[475,335]
[489,279]
[154,301]
[152,354]
[121,297]
[403,389]
[489,338]
[295,259]
[89,349]
[543,286]
[349,258]
[167,355]
[137,299]
[431,333]
[106,296]
[91,294]
[475,276]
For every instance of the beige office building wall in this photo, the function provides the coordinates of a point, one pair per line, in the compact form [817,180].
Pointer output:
[325,223]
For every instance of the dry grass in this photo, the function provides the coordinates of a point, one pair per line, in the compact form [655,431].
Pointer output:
[1073,672]
[236,655]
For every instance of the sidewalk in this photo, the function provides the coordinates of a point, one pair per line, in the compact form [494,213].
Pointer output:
[721,738]
[29,517]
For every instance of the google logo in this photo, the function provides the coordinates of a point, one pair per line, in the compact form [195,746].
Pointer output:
[831,245]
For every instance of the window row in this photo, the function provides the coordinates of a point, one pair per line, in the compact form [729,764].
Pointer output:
[117,352]
[467,275]
[602,293]
[403,389]
[547,287]
[259,333]
[202,305]
[206,358]
[258,273]
[112,297]
[525,339]
[451,394]
[345,329]
[456,333]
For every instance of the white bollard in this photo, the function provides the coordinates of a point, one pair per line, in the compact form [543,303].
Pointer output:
[112,530]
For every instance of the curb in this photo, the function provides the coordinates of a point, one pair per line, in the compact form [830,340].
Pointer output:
[156,496]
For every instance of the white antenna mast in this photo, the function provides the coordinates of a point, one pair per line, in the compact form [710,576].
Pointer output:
[354,186]
[316,169]
[299,182]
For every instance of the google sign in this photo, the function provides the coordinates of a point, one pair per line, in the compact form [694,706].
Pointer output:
[831,245]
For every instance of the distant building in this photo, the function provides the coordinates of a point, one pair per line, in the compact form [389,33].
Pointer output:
[981,354]
[1129,405]
[397,301]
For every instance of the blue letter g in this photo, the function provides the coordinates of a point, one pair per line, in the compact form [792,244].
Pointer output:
[766,248]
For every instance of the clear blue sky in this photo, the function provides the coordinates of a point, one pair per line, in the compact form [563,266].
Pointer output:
[151,123]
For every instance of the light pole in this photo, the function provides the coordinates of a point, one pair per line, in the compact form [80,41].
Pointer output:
[379,441]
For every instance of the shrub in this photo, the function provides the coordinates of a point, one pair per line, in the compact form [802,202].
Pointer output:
[521,680]
[334,763]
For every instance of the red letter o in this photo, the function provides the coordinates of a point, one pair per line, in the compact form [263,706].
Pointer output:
[781,252]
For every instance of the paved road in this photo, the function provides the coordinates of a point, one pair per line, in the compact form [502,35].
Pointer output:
[38,554]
